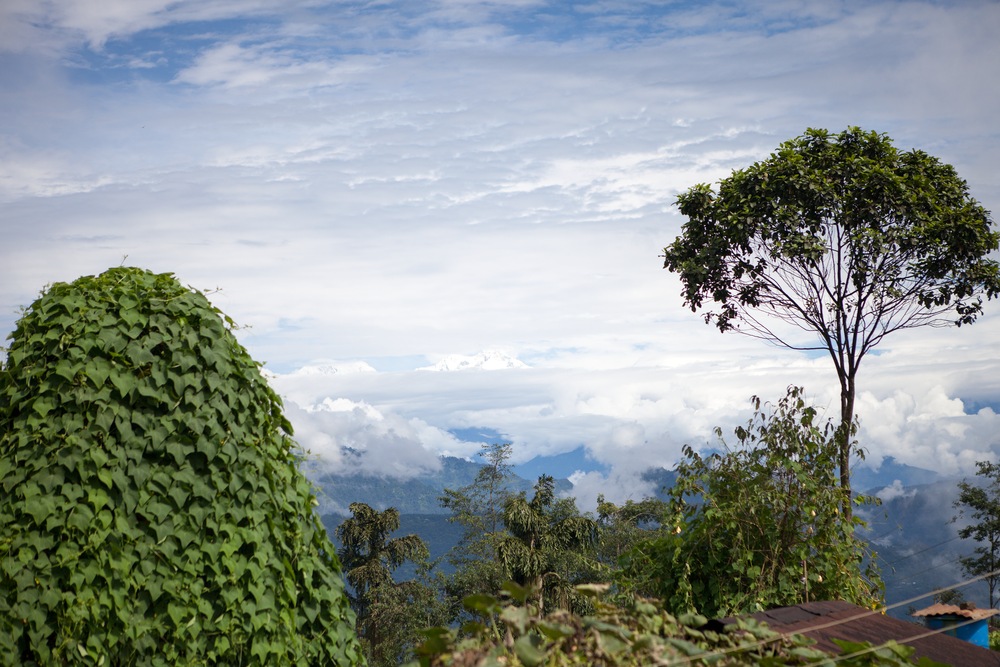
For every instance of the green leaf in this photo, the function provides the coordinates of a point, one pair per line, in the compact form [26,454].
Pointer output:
[67,370]
[43,405]
[555,631]
[157,510]
[97,497]
[177,612]
[123,381]
[519,617]
[528,652]
[40,508]
[482,603]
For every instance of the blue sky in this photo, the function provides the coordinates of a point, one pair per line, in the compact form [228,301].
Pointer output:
[374,186]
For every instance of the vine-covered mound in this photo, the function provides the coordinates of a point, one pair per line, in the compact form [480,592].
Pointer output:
[151,508]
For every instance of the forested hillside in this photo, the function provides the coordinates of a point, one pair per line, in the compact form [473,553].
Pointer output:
[415,495]
[911,531]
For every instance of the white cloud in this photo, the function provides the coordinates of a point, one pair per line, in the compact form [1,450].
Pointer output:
[232,65]
[638,418]
[929,430]
[616,488]
[893,491]
[65,23]
[386,445]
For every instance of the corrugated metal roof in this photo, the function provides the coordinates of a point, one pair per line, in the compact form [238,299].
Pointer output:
[954,610]
[825,621]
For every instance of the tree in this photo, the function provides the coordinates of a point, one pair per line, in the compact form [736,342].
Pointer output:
[983,503]
[841,236]
[541,533]
[479,508]
[369,558]
[621,527]
[402,612]
[949,596]
[756,526]
[152,510]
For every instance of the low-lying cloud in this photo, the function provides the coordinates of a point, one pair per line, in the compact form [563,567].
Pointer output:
[628,420]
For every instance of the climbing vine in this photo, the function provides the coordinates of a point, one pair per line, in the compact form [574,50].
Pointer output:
[151,508]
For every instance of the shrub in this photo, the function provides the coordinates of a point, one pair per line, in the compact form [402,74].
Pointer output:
[515,634]
[151,508]
[759,525]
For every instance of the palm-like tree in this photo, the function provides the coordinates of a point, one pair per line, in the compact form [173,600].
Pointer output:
[368,558]
[540,537]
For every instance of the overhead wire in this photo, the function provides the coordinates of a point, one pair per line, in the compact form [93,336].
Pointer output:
[933,546]
[871,649]
[933,567]
[884,563]
[686,660]
[882,610]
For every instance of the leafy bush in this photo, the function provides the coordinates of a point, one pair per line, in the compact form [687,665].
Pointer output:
[515,634]
[759,525]
[151,508]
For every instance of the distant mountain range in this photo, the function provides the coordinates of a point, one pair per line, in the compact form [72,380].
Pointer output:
[912,530]
[867,480]
[489,360]
[416,495]
[915,535]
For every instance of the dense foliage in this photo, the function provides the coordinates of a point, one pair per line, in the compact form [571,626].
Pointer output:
[515,634]
[757,526]
[151,508]
[842,236]
[981,504]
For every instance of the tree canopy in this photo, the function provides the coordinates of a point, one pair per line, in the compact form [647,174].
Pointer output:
[842,236]
[152,511]
[542,532]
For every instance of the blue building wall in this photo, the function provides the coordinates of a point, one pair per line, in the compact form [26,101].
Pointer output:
[977,633]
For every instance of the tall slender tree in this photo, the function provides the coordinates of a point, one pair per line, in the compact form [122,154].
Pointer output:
[844,237]
[983,506]
[478,507]
[369,557]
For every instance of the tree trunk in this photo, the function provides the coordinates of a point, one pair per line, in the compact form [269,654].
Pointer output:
[847,389]
[994,543]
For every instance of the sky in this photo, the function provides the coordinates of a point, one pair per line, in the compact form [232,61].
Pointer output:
[373,188]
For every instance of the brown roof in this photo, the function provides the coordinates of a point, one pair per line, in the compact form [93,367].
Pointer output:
[825,621]
[954,610]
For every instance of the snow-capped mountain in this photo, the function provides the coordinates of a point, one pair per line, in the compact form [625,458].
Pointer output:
[333,368]
[488,360]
